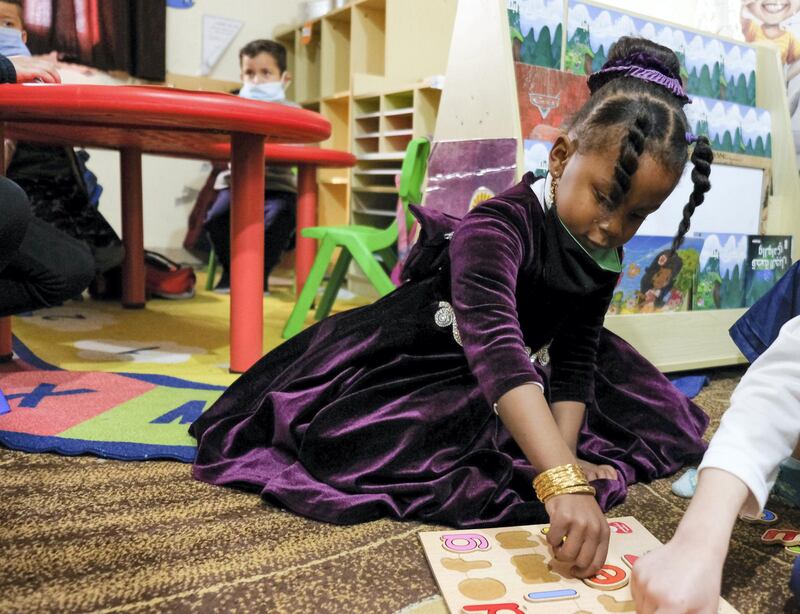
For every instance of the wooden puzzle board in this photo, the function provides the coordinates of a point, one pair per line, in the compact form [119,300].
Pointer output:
[511,570]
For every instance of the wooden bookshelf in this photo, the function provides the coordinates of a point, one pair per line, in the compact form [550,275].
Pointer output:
[364,69]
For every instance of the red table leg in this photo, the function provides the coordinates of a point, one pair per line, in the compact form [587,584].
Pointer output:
[247,250]
[133,283]
[6,351]
[306,249]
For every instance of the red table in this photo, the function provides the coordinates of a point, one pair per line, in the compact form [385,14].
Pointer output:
[133,120]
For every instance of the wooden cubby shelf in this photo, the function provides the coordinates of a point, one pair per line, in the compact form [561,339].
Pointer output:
[364,69]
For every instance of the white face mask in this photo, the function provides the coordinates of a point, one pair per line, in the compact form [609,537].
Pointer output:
[265,92]
[11,43]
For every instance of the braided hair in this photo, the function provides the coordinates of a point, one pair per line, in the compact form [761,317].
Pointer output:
[650,119]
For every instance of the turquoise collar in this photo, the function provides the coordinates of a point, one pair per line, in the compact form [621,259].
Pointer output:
[606,259]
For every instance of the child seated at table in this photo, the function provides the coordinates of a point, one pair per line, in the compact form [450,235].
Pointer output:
[264,77]
[55,178]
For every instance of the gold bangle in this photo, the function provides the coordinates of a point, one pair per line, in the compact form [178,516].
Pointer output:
[573,490]
[558,479]
[563,473]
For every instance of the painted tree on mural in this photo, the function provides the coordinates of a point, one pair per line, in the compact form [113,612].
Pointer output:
[692,82]
[704,84]
[751,89]
[741,90]
[715,78]
[599,59]
[578,50]
[557,36]
[727,142]
[759,149]
[738,142]
[543,51]
[731,89]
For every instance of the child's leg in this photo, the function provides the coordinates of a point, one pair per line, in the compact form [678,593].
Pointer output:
[755,331]
[279,223]
[48,268]
[218,227]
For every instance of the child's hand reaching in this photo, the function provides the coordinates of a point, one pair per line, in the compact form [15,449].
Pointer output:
[579,518]
[666,579]
[597,472]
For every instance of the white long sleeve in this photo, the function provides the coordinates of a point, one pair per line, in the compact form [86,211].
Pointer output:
[761,427]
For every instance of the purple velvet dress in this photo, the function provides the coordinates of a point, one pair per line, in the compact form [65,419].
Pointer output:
[386,410]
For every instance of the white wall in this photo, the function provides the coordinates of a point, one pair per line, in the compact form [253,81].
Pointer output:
[184,27]
[171,185]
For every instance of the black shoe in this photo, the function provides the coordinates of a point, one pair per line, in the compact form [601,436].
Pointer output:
[224,284]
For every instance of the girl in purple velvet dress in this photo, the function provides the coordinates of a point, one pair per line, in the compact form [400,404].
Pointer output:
[443,400]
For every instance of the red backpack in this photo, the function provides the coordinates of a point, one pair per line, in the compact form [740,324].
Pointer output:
[165,278]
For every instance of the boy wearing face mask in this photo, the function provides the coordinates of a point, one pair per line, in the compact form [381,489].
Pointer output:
[264,78]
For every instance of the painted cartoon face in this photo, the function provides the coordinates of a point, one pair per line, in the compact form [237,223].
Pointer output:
[661,278]
[773,12]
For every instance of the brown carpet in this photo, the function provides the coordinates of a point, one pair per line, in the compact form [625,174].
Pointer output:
[88,535]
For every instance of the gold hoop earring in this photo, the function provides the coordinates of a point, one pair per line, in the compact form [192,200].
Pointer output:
[552,194]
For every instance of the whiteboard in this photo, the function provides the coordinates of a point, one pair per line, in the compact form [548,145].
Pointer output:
[733,205]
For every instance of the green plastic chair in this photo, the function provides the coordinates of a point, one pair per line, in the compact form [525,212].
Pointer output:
[359,243]
[211,271]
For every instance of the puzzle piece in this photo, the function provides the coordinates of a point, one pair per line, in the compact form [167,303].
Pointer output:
[765,517]
[629,559]
[492,608]
[464,566]
[512,540]
[482,589]
[556,595]
[609,578]
[461,543]
[786,537]
[619,527]
[533,570]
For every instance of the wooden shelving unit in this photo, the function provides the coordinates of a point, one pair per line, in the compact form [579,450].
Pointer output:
[364,68]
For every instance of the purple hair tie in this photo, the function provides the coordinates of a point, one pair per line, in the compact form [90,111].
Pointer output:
[639,66]
[691,138]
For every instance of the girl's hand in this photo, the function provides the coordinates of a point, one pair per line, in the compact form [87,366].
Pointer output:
[579,518]
[598,472]
[680,577]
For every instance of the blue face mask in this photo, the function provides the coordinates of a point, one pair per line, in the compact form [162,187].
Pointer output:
[11,43]
[265,92]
